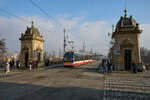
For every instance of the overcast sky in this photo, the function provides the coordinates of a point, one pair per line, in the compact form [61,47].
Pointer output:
[87,21]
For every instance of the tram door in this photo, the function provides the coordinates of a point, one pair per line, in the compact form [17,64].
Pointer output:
[127,59]
[26,59]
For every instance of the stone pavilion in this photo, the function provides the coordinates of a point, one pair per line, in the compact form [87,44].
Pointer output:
[31,45]
[126,43]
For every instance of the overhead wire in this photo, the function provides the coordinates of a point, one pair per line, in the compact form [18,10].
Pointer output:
[18,17]
[47,14]
[24,20]
[43,11]
[11,14]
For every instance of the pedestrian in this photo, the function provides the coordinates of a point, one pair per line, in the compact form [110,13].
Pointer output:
[100,68]
[30,65]
[108,66]
[37,63]
[13,64]
[34,63]
[19,65]
[10,64]
[133,68]
[143,67]
[104,65]
[7,67]
[46,62]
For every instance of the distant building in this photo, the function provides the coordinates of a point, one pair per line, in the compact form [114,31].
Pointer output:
[127,43]
[31,45]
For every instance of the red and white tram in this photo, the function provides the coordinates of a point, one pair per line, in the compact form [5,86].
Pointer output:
[72,59]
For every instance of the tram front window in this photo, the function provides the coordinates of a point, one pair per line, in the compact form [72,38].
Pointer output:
[68,58]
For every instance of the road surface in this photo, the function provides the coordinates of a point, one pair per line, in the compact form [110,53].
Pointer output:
[53,83]
[81,83]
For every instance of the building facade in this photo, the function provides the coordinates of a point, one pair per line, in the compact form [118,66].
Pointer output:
[31,46]
[126,43]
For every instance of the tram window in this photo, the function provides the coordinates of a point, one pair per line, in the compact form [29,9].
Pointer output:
[68,57]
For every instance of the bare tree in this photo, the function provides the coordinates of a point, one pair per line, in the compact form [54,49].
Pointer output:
[53,53]
[145,55]
[2,47]
[144,51]
[3,55]
[45,55]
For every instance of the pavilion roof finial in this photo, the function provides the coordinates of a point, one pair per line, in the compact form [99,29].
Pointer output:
[32,22]
[125,11]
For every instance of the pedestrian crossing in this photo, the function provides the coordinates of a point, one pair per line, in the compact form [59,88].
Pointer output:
[126,88]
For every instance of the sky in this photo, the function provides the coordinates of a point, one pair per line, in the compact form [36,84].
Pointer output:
[87,21]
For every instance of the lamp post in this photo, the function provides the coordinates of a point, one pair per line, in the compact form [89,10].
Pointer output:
[71,44]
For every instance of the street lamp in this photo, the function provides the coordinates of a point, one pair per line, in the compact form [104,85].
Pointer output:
[71,44]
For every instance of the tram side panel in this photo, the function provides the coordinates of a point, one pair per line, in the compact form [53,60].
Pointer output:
[72,59]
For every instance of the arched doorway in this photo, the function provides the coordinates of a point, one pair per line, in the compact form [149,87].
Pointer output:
[37,55]
[26,58]
[127,59]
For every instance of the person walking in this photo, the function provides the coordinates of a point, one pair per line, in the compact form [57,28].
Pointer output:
[7,67]
[30,65]
[34,64]
[10,64]
[104,65]
[13,63]
[18,64]
[37,63]
[108,66]
[133,68]
[100,68]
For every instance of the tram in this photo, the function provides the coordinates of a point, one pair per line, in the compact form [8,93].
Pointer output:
[72,59]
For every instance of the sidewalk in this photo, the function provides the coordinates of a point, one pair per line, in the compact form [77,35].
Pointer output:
[18,71]
[146,74]
[1,69]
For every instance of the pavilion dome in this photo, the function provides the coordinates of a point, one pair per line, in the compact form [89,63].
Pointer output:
[126,22]
[32,30]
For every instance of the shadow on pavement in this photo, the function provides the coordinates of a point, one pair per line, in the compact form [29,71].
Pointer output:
[55,66]
[91,69]
[14,91]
